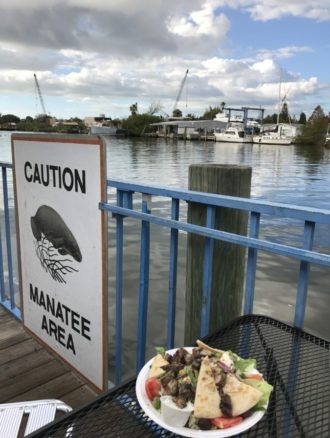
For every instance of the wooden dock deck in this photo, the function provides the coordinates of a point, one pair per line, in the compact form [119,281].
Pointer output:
[29,372]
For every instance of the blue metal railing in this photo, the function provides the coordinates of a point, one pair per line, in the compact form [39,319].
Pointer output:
[129,195]
[309,217]
[7,300]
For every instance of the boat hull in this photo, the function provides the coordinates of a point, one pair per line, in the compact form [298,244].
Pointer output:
[263,139]
[232,139]
[103,130]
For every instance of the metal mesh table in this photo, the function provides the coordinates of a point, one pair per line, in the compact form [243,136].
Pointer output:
[296,363]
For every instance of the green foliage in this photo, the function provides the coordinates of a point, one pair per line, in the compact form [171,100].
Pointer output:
[302,119]
[314,132]
[137,123]
[9,118]
[318,113]
[284,114]
[270,119]
[177,113]
[211,112]
[134,109]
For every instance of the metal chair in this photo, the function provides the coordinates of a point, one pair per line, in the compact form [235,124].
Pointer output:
[39,412]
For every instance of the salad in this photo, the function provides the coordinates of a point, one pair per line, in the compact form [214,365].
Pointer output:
[205,388]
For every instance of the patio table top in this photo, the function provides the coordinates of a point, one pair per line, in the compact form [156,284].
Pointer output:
[295,362]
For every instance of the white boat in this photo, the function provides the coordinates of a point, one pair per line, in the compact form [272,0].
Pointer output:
[280,134]
[103,130]
[234,134]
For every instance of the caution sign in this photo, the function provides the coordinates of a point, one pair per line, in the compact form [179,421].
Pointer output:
[59,182]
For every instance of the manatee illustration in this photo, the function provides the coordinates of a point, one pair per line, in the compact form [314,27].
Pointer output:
[53,240]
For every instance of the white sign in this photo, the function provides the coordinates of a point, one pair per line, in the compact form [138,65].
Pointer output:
[59,182]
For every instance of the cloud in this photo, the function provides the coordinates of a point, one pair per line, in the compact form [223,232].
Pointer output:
[199,22]
[265,10]
[273,9]
[107,54]
[282,52]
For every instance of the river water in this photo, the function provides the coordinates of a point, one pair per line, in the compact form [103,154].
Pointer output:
[287,174]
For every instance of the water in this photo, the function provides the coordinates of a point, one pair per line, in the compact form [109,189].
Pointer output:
[287,174]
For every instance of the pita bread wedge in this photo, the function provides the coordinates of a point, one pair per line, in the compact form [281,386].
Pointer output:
[207,348]
[242,396]
[157,363]
[207,398]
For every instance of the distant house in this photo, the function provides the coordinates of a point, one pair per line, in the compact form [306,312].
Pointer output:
[183,128]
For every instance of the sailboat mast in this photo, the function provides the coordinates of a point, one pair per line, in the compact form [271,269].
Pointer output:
[279,99]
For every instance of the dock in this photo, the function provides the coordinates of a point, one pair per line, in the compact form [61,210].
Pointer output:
[28,371]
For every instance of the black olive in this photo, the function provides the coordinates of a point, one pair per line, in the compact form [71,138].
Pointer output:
[204,423]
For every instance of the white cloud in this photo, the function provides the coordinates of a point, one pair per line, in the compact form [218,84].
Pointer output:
[200,22]
[112,53]
[273,9]
[283,52]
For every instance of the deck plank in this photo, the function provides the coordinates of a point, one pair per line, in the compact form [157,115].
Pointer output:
[28,371]
[23,348]
[22,365]
[57,388]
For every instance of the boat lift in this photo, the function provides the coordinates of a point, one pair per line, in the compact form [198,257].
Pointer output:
[245,116]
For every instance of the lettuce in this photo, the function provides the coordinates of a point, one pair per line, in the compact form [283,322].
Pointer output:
[263,387]
[160,350]
[244,366]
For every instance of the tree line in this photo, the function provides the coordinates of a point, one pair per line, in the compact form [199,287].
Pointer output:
[314,131]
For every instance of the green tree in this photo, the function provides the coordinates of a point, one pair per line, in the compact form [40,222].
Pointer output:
[318,113]
[284,114]
[177,112]
[211,112]
[137,123]
[270,119]
[302,119]
[134,109]
[314,131]
[9,118]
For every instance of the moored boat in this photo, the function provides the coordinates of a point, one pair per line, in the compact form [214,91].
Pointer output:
[234,134]
[103,130]
[279,134]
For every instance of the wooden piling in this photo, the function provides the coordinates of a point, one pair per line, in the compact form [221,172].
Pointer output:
[228,259]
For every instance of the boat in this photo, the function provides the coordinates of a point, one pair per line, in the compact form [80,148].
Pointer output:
[275,136]
[279,134]
[234,134]
[103,130]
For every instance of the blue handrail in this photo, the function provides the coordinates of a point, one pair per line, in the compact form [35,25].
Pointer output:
[123,205]
[308,217]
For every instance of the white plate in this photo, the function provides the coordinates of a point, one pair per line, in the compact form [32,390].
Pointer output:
[152,413]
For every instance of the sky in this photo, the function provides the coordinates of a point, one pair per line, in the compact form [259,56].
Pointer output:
[95,57]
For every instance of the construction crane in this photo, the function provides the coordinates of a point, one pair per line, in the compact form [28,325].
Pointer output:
[180,91]
[40,95]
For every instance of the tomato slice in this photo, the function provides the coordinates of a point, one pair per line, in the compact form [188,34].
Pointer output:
[224,422]
[152,387]
[254,376]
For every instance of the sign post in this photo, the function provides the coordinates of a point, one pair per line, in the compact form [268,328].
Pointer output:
[59,182]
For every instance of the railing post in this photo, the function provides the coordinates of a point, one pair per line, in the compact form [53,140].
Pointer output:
[8,238]
[207,275]
[119,289]
[251,265]
[2,280]
[303,277]
[144,285]
[173,276]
